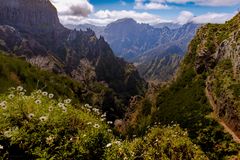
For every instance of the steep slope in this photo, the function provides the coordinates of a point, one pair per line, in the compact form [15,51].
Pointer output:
[220,57]
[15,71]
[31,29]
[211,65]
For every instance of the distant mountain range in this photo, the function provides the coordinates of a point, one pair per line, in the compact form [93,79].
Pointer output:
[155,50]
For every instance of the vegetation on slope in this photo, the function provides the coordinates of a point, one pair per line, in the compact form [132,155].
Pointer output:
[14,72]
[159,143]
[183,101]
[37,126]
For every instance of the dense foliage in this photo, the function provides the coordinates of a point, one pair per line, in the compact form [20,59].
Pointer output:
[37,126]
[167,143]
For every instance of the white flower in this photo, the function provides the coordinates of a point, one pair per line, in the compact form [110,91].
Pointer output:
[108,145]
[88,106]
[103,119]
[43,118]
[49,140]
[38,101]
[104,115]
[22,93]
[11,96]
[44,94]
[61,105]
[118,142]
[8,133]
[50,109]
[50,95]
[67,101]
[89,123]
[1,147]
[96,126]
[109,130]
[39,91]
[88,110]
[109,122]
[19,88]
[96,110]
[64,109]
[3,104]
[31,115]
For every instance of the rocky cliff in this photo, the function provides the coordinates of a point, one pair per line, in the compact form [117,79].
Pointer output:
[216,52]
[29,15]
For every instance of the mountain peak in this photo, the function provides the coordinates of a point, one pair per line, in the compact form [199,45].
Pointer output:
[125,21]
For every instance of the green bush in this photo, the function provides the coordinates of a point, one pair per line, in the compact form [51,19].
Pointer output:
[37,126]
[167,143]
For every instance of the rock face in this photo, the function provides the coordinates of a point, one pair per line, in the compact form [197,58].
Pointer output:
[230,49]
[29,15]
[32,29]
[216,50]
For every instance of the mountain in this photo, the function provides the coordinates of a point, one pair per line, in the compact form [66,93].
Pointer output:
[128,39]
[97,29]
[148,46]
[204,95]
[31,29]
[169,25]
[162,62]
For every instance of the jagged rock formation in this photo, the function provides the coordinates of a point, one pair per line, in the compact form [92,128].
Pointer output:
[31,29]
[151,49]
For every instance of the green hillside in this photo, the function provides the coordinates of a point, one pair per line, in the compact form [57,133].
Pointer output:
[183,101]
[38,126]
[15,71]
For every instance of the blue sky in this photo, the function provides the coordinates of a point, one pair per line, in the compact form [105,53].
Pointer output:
[103,12]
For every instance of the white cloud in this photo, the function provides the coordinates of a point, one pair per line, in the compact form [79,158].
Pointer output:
[152,5]
[73,7]
[208,2]
[163,4]
[81,11]
[213,18]
[104,17]
[186,17]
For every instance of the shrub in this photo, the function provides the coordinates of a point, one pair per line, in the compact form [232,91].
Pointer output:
[37,126]
[160,143]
